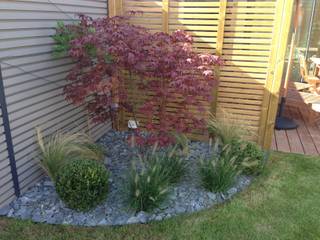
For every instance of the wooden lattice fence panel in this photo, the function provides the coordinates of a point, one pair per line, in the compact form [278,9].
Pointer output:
[251,37]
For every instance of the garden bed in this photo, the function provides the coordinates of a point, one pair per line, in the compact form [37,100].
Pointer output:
[42,204]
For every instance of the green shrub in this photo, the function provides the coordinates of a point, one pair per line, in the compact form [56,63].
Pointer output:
[59,148]
[82,184]
[147,188]
[218,174]
[250,157]
[62,38]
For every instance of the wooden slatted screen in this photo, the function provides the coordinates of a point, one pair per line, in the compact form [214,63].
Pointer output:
[251,37]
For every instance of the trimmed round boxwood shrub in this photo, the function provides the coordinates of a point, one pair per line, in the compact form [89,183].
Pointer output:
[82,184]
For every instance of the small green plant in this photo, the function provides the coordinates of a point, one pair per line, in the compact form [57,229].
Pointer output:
[59,148]
[218,173]
[226,128]
[82,184]
[147,188]
[62,38]
[250,157]
[65,34]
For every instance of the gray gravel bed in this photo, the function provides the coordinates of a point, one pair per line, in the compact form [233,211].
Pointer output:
[42,204]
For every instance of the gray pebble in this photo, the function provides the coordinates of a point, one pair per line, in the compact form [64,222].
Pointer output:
[42,204]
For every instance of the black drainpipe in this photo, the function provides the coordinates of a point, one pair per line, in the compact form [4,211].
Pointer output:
[7,132]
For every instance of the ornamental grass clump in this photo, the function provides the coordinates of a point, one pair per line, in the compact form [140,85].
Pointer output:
[171,164]
[147,188]
[59,148]
[226,128]
[150,179]
[218,173]
[82,184]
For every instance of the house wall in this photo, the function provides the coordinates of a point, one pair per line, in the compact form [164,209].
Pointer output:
[33,81]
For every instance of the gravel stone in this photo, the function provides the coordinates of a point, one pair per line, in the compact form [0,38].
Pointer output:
[42,204]
[5,210]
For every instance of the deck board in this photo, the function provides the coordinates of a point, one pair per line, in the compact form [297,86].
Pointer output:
[304,140]
[282,141]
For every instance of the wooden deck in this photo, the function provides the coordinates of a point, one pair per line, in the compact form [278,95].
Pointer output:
[304,140]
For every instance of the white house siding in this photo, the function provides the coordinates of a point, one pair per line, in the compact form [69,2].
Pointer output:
[34,89]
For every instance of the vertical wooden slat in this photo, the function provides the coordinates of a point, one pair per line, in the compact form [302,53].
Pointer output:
[111,8]
[276,67]
[120,7]
[115,7]
[220,37]
[221,23]
[165,16]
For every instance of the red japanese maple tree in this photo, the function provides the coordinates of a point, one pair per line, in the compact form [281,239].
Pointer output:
[109,52]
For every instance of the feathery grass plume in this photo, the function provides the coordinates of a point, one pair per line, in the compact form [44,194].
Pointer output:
[171,163]
[227,127]
[147,188]
[59,148]
[219,173]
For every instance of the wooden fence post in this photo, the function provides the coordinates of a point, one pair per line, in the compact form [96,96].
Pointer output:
[115,7]
[276,67]
[219,48]
[165,16]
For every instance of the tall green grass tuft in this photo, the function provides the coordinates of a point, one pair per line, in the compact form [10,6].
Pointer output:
[150,179]
[171,163]
[219,173]
[147,188]
[58,149]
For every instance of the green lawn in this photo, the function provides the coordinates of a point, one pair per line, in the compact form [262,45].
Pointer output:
[284,203]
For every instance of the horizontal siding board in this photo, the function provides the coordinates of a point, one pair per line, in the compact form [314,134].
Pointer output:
[34,80]
[34,69]
[19,24]
[45,7]
[32,15]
